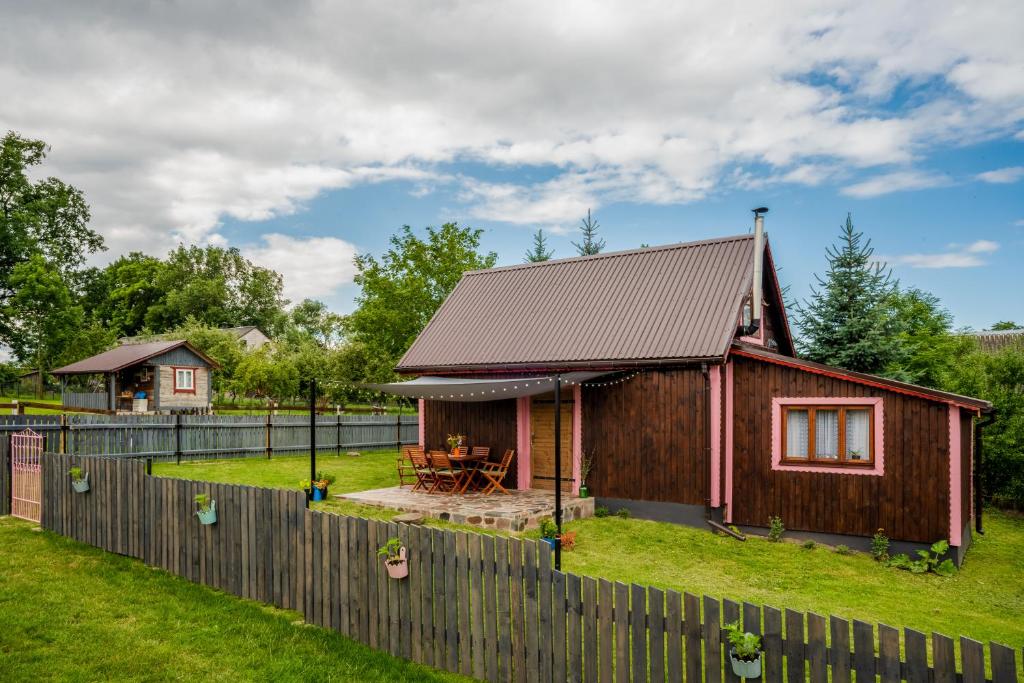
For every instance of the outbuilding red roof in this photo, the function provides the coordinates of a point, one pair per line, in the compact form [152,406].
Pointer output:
[669,303]
[127,355]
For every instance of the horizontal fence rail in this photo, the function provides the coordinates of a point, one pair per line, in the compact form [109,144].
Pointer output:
[188,437]
[488,607]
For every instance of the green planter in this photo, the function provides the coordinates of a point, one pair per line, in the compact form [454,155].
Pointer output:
[584,491]
[81,485]
[745,669]
[208,516]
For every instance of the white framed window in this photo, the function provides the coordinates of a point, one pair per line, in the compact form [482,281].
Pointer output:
[185,380]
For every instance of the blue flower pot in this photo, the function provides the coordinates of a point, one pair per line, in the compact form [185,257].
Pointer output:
[319,494]
[553,542]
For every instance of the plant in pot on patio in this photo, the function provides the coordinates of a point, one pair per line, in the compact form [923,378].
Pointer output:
[395,561]
[549,532]
[455,440]
[79,480]
[745,653]
[206,509]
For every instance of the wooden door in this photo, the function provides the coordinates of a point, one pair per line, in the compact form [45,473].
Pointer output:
[542,442]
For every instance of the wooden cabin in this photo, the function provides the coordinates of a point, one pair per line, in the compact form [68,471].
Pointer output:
[680,380]
[154,377]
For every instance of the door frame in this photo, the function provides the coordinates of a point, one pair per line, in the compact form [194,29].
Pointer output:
[524,477]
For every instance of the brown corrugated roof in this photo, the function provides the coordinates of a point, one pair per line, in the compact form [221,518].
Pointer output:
[127,355]
[759,353]
[674,302]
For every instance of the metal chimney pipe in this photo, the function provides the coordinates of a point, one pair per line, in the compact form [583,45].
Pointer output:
[757,295]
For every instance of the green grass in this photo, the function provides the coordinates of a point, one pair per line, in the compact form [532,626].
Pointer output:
[33,411]
[75,613]
[985,600]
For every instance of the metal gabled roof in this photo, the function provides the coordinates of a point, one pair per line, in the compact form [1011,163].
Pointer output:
[674,302]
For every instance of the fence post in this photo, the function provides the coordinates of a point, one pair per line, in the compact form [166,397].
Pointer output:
[177,437]
[149,466]
[398,429]
[338,439]
[269,431]
[63,441]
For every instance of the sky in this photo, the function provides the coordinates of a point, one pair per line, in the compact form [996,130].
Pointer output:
[306,132]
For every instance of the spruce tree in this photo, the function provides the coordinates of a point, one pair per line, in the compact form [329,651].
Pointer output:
[540,251]
[591,243]
[848,322]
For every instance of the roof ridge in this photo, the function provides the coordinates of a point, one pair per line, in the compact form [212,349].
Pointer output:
[613,254]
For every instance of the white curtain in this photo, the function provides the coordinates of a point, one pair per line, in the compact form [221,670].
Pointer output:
[858,435]
[826,434]
[796,434]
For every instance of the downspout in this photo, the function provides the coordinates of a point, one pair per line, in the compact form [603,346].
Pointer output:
[988,419]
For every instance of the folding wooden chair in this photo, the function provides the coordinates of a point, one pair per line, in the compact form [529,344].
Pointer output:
[407,467]
[494,472]
[425,478]
[449,477]
[479,457]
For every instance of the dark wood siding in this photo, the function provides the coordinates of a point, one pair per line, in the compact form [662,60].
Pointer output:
[488,423]
[648,435]
[910,500]
[966,465]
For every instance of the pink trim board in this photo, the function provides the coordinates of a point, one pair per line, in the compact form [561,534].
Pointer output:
[577,437]
[524,475]
[423,424]
[878,469]
[955,487]
[716,435]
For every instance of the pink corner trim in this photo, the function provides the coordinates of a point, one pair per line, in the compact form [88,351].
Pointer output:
[524,475]
[955,489]
[423,424]
[577,438]
[716,435]
[728,442]
[878,469]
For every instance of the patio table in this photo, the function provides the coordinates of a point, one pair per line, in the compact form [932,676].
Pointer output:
[467,462]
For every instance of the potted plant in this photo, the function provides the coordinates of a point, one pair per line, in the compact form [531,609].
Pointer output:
[393,553]
[206,509]
[549,532]
[323,480]
[745,653]
[79,480]
[455,440]
[586,464]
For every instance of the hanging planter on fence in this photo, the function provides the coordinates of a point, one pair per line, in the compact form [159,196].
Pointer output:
[745,653]
[79,481]
[206,509]
[395,560]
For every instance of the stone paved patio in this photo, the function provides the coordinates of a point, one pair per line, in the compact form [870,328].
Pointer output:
[517,511]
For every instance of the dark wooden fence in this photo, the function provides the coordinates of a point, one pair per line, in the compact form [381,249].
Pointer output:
[489,607]
[210,436]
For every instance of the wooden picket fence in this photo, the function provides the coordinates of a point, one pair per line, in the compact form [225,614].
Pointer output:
[190,437]
[485,606]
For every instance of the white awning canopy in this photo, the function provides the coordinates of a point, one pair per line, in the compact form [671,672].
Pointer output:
[463,389]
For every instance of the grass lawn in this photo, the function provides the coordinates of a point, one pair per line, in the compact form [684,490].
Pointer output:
[72,612]
[33,411]
[984,601]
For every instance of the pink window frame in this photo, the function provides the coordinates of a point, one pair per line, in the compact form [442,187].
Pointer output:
[877,404]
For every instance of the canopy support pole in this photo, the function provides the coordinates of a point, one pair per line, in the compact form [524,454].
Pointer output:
[558,471]
[312,439]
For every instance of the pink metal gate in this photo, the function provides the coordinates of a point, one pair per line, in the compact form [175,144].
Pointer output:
[26,475]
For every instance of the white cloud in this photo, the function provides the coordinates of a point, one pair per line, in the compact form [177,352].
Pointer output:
[958,256]
[313,267]
[897,181]
[174,116]
[1010,174]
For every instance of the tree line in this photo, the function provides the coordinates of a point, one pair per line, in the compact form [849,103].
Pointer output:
[55,310]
